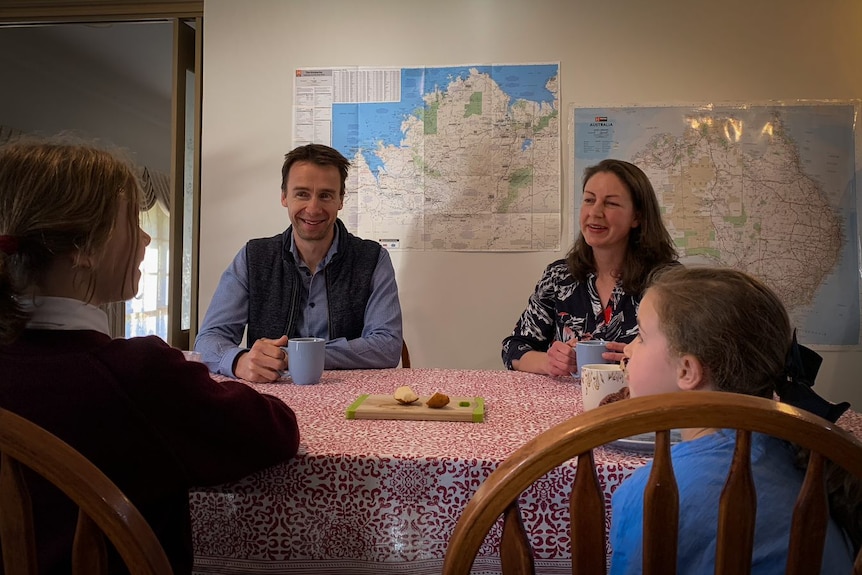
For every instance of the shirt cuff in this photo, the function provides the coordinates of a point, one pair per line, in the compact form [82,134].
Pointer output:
[226,364]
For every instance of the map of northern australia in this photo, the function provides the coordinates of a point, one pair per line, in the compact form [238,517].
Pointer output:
[767,190]
[468,160]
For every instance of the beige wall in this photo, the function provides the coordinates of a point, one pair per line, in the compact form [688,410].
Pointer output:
[459,306]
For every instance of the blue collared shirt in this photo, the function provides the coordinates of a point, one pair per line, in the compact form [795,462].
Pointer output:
[378,347]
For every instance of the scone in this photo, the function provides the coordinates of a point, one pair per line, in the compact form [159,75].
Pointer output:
[405,395]
[437,401]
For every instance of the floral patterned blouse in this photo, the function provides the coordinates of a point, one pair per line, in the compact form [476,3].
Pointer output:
[563,308]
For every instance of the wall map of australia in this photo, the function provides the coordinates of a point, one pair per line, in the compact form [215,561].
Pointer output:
[769,190]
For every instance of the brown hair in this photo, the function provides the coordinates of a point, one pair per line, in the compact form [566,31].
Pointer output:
[650,245]
[731,322]
[56,199]
[740,332]
[316,154]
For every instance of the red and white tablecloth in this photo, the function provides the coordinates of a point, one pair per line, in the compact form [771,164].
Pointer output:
[376,496]
[380,496]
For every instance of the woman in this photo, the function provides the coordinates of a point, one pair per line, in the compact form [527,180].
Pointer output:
[594,292]
[151,421]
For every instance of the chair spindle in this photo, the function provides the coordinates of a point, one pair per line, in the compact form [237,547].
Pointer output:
[89,553]
[661,512]
[516,554]
[810,521]
[737,508]
[587,513]
[17,537]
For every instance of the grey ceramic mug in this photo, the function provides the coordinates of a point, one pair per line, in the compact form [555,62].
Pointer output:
[590,351]
[305,359]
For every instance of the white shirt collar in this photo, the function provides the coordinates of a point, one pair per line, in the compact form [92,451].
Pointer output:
[60,313]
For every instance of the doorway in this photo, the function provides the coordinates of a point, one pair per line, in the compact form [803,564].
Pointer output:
[127,75]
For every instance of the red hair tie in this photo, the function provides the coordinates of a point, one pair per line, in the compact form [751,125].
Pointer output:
[8,245]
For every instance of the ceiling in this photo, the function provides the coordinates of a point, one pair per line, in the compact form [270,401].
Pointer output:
[140,51]
[110,80]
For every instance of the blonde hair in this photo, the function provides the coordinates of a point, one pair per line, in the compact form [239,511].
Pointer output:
[57,198]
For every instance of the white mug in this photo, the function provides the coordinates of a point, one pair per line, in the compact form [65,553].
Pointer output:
[600,381]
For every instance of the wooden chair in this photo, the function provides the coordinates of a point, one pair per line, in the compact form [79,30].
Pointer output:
[405,355]
[575,438]
[104,510]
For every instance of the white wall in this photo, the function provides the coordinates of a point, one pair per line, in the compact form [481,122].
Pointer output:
[459,306]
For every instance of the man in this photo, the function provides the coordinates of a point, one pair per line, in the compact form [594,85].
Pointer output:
[313,280]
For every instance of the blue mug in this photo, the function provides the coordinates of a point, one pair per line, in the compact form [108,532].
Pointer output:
[305,359]
[590,351]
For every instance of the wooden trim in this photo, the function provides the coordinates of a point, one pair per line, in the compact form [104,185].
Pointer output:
[196,180]
[184,60]
[47,11]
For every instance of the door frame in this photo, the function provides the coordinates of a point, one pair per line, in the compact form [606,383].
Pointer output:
[180,12]
[58,11]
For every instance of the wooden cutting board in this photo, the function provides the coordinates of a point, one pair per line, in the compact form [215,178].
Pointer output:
[385,407]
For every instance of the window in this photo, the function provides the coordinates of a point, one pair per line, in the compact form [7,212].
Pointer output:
[147,312]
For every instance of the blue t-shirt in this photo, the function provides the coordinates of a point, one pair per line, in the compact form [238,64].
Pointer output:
[701,468]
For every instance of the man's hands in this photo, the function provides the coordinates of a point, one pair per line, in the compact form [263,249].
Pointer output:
[263,362]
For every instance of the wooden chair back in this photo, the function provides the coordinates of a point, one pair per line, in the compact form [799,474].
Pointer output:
[103,509]
[578,436]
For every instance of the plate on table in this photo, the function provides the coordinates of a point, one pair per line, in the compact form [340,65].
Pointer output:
[644,443]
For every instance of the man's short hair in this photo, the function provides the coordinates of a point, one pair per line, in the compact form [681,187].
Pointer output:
[317,154]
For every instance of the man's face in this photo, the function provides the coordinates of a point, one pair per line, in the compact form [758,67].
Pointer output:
[312,196]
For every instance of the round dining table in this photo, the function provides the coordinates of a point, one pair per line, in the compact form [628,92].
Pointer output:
[383,496]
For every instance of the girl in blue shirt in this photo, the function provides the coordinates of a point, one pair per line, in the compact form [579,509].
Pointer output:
[722,330]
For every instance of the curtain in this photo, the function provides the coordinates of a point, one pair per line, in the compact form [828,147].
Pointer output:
[156,187]
[116,312]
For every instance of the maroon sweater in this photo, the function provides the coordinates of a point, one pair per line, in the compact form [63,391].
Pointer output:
[151,421]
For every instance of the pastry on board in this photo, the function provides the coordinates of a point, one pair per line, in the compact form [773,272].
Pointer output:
[405,395]
[437,400]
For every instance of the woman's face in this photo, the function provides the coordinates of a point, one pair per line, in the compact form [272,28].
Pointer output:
[650,367]
[607,212]
[119,270]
